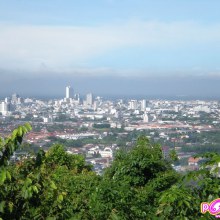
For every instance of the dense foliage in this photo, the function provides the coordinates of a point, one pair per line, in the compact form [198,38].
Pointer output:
[140,184]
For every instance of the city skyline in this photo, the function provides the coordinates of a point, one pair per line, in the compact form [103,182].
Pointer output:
[110,47]
[168,88]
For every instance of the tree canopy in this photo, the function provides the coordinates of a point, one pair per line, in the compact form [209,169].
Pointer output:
[140,184]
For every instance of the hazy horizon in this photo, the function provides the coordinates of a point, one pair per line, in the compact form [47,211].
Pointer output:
[108,86]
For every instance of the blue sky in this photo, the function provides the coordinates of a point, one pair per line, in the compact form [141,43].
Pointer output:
[73,12]
[126,38]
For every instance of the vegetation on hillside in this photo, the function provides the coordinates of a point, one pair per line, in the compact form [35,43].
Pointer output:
[140,184]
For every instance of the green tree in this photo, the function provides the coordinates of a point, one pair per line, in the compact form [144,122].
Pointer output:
[140,184]
[51,185]
[183,200]
[132,185]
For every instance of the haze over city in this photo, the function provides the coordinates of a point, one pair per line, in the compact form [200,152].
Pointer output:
[147,48]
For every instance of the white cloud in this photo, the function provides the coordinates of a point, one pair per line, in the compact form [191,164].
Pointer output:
[64,48]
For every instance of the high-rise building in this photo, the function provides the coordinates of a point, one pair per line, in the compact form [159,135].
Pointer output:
[14,98]
[145,118]
[4,108]
[77,97]
[69,92]
[7,100]
[133,104]
[143,105]
[95,106]
[20,100]
[89,99]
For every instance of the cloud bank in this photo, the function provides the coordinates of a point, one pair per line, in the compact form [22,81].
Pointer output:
[68,49]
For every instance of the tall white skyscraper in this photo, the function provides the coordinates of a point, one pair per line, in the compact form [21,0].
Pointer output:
[69,92]
[4,107]
[133,104]
[89,99]
[143,105]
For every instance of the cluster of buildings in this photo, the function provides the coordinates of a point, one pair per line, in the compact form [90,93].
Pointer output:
[93,117]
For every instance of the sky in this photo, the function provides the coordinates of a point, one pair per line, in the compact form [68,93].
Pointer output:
[110,47]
